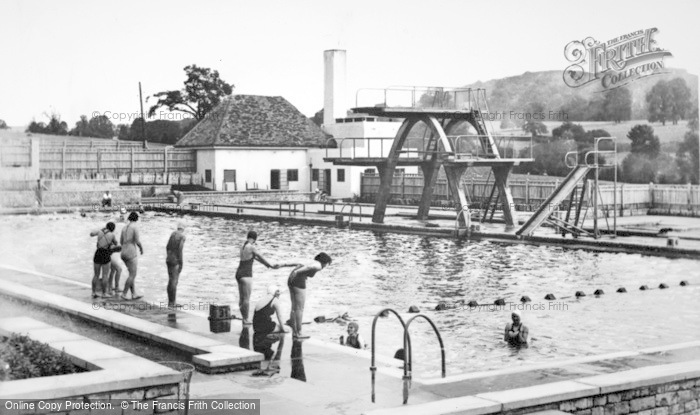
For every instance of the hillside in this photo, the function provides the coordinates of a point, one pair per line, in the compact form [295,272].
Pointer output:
[548,87]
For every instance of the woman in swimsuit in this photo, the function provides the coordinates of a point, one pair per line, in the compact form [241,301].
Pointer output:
[130,241]
[105,241]
[244,274]
[297,288]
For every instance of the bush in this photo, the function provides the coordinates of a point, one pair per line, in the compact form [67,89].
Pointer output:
[29,359]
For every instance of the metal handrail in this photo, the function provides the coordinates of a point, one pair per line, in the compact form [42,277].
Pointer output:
[471,101]
[340,143]
[410,352]
[566,159]
[406,348]
[352,209]
[503,141]
[467,218]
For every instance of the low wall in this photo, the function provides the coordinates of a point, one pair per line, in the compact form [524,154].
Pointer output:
[230,198]
[90,198]
[673,398]
[67,198]
[151,190]
[17,198]
[80,185]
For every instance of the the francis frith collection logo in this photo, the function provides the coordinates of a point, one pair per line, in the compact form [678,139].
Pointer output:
[614,63]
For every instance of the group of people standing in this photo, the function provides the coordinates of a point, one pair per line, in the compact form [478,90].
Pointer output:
[109,256]
[110,253]
[296,282]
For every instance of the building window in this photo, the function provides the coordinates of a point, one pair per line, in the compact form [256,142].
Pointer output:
[341,175]
[293,175]
[207,176]
[314,175]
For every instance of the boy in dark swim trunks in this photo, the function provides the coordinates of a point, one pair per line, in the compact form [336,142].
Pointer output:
[103,256]
[244,274]
[297,288]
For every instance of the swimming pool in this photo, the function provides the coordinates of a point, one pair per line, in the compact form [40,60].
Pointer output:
[372,271]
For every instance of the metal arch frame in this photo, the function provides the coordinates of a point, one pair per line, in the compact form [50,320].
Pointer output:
[410,352]
[406,348]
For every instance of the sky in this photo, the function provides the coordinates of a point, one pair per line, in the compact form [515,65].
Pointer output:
[87,57]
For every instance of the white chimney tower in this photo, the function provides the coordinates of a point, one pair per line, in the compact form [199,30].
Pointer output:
[334,88]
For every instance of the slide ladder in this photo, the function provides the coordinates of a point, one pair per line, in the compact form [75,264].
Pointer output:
[558,196]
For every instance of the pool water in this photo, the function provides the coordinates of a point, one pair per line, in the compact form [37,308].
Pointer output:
[372,271]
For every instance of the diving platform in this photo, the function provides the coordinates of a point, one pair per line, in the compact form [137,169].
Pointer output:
[432,137]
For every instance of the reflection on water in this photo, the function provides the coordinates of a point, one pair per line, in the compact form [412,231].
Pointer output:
[244,339]
[372,271]
[298,371]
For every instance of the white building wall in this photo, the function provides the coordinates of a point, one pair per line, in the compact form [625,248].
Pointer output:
[253,166]
[206,161]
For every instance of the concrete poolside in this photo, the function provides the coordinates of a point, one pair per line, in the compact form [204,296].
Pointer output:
[336,379]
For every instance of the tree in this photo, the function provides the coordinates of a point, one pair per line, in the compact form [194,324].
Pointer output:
[54,127]
[617,105]
[122,132]
[203,91]
[569,131]
[100,127]
[668,101]
[681,99]
[549,159]
[687,154]
[318,118]
[3,125]
[638,168]
[644,142]
[535,128]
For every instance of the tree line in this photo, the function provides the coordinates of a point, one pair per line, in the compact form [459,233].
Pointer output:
[645,162]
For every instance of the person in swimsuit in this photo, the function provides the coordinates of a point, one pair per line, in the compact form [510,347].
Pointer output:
[354,339]
[516,333]
[266,332]
[244,274]
[174,260]
[105,241]
[130,241]
[297,288]
[115,272]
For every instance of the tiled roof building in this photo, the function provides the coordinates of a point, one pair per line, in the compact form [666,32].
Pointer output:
[254,121]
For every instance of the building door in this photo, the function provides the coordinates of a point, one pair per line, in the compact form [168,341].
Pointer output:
[230,180]
[327,181]
[274,179]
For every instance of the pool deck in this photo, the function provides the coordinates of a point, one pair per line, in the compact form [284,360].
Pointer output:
[336,379]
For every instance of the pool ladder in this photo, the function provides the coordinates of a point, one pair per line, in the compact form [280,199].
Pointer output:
[408,351]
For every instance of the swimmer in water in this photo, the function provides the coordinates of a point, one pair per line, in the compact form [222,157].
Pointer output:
[516,333]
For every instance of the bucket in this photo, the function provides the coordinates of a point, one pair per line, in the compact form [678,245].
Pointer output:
[219,318]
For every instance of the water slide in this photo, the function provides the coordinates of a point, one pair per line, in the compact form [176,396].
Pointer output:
[558,196]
